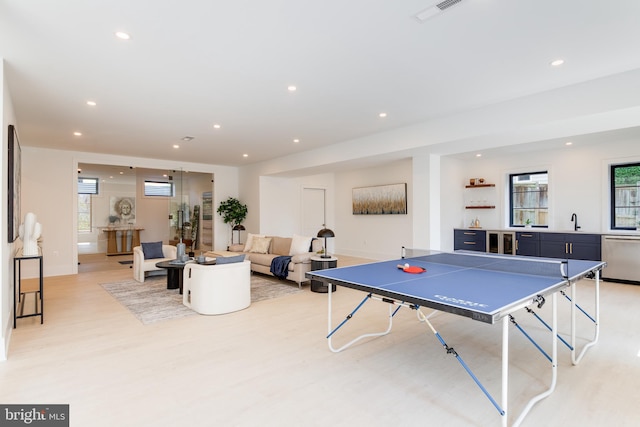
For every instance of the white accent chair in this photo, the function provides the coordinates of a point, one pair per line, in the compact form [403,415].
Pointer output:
[217,289]
[142,266]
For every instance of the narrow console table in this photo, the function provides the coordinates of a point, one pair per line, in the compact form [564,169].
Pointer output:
[38,295]
[122,240]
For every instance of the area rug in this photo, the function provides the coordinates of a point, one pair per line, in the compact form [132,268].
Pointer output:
[152,302]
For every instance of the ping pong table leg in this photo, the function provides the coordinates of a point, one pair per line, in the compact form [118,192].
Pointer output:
[575,360]
[505,370]
[331,330]
[554,362]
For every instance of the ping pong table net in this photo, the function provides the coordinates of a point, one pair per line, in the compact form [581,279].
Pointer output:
[555,268]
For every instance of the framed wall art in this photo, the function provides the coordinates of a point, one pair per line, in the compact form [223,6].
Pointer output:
[14,160]
[380,200]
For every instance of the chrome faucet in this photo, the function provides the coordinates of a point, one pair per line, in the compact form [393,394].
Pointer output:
[574,219]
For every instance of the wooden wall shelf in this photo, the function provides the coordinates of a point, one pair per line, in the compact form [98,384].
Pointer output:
[479,185]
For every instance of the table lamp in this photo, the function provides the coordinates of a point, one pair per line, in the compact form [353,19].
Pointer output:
[324,233]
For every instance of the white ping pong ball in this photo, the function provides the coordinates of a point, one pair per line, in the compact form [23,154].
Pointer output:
[406,265]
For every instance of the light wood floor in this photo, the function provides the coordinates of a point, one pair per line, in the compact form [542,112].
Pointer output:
[269,365]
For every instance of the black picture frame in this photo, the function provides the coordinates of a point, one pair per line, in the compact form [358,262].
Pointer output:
[14,161]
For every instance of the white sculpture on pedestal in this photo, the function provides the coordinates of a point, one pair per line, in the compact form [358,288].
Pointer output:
[29,233]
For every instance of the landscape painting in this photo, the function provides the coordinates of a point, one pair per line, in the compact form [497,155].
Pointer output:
[388,199]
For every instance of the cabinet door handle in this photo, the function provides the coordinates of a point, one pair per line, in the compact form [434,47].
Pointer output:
[469,243]
[571,248]
[566,248]
[526,235]
[516,246]
[470,233]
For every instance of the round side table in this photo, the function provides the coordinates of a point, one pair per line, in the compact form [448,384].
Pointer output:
[319,263]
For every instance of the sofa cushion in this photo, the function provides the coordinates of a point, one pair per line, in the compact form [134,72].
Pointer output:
[280,245]
[260,245]
[262,259]
[300,244]
[249,242]
[229,259]
[152,250]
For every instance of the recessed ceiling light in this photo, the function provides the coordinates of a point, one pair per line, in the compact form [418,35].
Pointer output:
[217,126]
[91,103]
[479,155]
[121,173]
[292,88]
[176,146]
[122,35]
[557,62]
[296,140]
[245,155]
[383,115]
[77,133]
[568,143]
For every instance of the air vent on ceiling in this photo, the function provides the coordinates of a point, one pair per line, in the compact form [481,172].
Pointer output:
[446,4]
[434,10]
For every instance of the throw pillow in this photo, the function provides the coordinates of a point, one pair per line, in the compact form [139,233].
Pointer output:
[299,244]
[249,243]
[280,245]
[152,250]
[260,245]
[229,259]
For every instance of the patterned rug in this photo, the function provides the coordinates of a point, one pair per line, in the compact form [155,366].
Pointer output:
[152,302]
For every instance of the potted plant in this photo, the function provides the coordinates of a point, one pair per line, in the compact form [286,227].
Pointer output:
[232,211]
[527,223]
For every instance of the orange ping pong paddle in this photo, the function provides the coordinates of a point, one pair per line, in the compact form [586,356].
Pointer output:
[411,268]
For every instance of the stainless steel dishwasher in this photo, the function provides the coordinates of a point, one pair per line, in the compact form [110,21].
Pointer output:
[622,255]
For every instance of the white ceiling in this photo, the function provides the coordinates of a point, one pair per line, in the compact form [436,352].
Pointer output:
[192,63]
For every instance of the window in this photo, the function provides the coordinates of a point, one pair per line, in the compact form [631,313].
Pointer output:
[87,185]
[529,199]
[157,188]
[625,192]
[84,213]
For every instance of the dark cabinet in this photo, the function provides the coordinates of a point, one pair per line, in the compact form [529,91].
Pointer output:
[470,240]
[571,246]
[527,243]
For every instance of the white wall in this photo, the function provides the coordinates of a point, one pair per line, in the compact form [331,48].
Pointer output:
[281,203]
[373,236]
[6,249]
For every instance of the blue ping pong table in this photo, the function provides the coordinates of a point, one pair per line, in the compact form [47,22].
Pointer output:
[484,287]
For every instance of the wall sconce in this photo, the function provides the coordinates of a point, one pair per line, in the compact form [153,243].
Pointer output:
[239,228]
[325,233]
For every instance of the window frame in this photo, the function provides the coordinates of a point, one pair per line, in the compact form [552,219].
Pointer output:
[170,184]
[96,182]
[612,195]
[90,212]
[511,201]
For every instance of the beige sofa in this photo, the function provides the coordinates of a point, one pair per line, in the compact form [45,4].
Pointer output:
[141,266]
[297,247]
